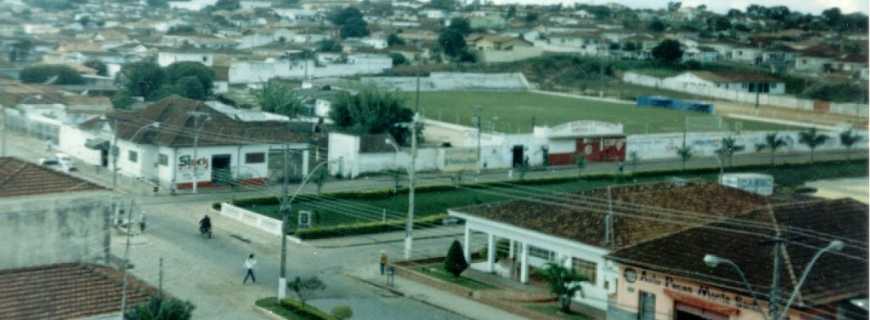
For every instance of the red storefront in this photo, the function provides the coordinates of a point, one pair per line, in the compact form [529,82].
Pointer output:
[610,148]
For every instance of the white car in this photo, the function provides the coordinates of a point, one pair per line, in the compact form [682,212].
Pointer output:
[61,161]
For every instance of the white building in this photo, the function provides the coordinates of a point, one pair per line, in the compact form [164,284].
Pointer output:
[192,5]
[743,82]
[262,71]
[165,58]
[156,144]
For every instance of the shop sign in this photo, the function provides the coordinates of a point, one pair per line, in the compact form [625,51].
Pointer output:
[701,291]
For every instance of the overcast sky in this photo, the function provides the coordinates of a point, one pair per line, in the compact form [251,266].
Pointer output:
[811,6]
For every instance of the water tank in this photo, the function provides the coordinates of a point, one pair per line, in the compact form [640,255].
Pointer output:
[761,184]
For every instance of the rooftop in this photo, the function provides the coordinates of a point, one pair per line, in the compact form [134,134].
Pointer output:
[66,291]
[806,226]
[642,212]
[21,178]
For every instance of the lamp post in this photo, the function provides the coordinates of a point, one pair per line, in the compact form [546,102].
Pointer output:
[197,127]
[286,205]
[714,261]
[409,223]
[115,152]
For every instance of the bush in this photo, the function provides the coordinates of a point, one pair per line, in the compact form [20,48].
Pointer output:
[342,312]
[455,262]
[43,73]
[366,228]
[306,312]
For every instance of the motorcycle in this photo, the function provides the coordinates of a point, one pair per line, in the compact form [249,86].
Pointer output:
[205,231]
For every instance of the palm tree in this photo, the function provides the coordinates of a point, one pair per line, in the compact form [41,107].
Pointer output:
[685,153]
[772,142]
[564,283]
[728,148]
[848,139]
[812,139]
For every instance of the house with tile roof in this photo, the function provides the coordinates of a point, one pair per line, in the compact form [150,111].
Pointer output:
[668,278]
[177,141]
[579,229]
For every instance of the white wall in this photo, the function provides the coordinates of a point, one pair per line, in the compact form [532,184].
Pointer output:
[258,72]
[166,58]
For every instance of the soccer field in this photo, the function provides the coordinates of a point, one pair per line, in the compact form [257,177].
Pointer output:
[514,112]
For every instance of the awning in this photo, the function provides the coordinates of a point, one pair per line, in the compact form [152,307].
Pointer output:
[702,304]
[97,144]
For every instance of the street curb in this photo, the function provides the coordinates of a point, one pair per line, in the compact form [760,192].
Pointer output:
[375,284]
[267,313]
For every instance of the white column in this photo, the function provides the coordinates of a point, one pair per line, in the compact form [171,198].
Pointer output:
[511,253]
[466,248]
[524,263]
[490,253]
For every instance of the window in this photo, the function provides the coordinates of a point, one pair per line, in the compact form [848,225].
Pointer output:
[587,269]
[646,306]
[132,156]
[541,253]
[257,157]
[162,160]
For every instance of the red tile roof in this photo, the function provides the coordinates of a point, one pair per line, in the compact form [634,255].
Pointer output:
[66,291]
[21,178]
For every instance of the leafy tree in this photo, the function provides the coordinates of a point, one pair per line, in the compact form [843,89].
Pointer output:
[122,100]
[398,59]
[447,5]
[674,6]
[657,26]
[160,308]
[373,111]
[20,50]
[719,23]
[142,79]
[812,139]
[200,72]
[833,17]
[99,66]
[460,25]
[772,142]
[848,139]
[394,40]
[531,17]
[278,98]
[756,11]
[511,12]
[190,87]
[728,147]
[305,287]
[685,153]
[467,56]
[564,283]
[452,42]
[56,74]
[668,51]
[580,162]
[354,28]
[329,45]
[455,261]
[341,16]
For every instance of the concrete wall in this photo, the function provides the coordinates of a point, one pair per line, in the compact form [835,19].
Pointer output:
[44,231]
[446,81]
[516,54]
[262,71]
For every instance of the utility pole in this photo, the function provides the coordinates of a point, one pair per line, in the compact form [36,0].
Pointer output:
[197,127]
[126,260]
[160,278]
[409,224]
[114,151]
[285,217]
[477,121]
[3,135]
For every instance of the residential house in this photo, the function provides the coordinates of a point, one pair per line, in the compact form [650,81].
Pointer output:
[177,141]
[436,14]
[165,58]
[723,269]
[487,22]
[192,5]
[733,81]
[853,64]
[702,54]
[816,59]
[493,48]
[746,55]
[579,232]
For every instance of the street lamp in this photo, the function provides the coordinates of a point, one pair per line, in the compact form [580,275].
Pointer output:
[409,223]
[714,261]
[115,151]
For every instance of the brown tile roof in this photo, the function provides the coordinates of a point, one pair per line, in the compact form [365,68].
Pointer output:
[730,77]
[835,277]
[177,126]
[66,291]
[21,178]
[638,211]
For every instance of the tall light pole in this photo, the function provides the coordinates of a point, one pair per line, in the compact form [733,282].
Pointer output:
[286,205]
[197,126]
[773,305]
[116,152]
[409,223]
[5,128]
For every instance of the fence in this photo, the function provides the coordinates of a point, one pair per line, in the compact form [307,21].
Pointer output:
[782,101]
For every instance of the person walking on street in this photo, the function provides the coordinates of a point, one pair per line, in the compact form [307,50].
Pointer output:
[249,265]
[142,224]
[384,261]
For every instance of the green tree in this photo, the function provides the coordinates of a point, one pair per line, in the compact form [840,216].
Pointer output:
[848,139]
[455,262]
[511,12]
[354,28]
[142,79]
[373,111]
[580,162]
[190,87]
[398,59]
[305,287]
[727,148]
[341,16]
[160,308]
[99,66]
[685,153]
[657,26]
[674,6]
[394,40]
[668,51]
[460,25]
[329,45]
[452,43]
[122,100]
[812,139]
[278,98]
[54,73]
[531,17]
[447,5]
[564,283]
[180,70]
[772,142]
[20,50]
[833,17]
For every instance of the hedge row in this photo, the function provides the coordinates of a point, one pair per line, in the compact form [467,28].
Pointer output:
[367,228]
[292,309]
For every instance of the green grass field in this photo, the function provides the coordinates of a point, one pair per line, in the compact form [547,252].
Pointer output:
[514,112]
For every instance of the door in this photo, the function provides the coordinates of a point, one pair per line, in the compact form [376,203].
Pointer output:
[517,156]
[687,312]
[104,157]
[221,172]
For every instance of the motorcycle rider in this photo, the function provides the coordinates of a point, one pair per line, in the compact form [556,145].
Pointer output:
[205,225]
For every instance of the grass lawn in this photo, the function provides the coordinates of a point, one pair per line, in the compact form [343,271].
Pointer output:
[553,310]
[272,304]
[334,211]
[438,272]
[515,111]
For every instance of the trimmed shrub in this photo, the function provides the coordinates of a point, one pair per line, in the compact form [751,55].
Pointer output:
[342,312]
[43,72]
[306,312]
[365,228]
[455,262]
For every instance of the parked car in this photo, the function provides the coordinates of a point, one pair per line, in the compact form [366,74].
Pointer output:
[61,161]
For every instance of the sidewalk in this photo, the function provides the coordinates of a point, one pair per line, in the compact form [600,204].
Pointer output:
[429,295]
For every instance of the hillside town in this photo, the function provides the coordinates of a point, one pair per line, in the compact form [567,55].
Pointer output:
[434,159]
